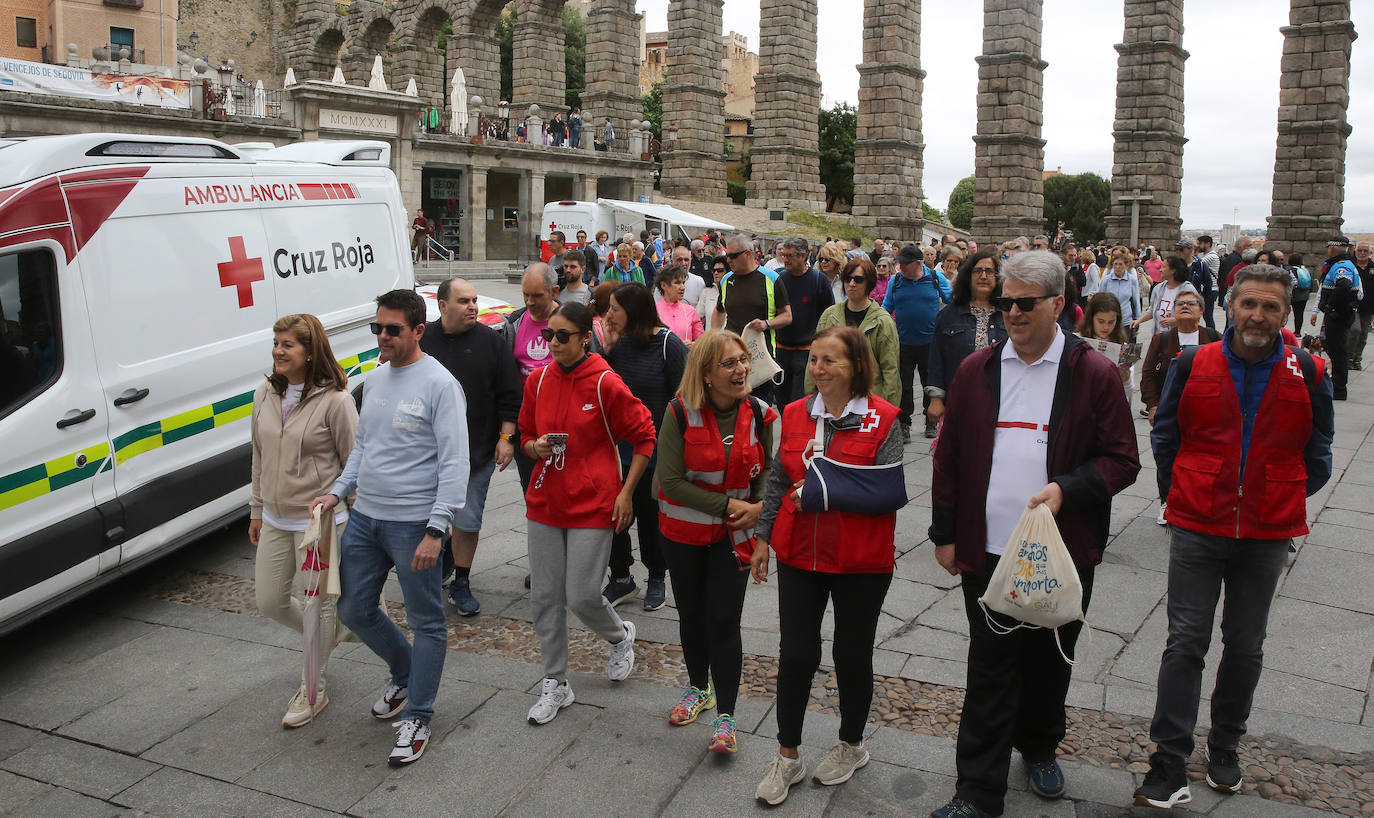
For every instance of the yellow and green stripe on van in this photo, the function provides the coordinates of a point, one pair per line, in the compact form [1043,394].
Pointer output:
[44,478]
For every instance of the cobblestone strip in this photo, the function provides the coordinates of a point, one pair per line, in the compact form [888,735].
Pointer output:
[1275,768]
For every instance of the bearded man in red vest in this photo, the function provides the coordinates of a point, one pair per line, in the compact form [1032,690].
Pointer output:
[1241,438]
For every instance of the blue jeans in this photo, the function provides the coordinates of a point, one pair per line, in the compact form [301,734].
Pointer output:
[369,550]
[1200,565]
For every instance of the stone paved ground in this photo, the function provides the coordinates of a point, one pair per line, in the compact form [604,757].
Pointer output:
[163,694]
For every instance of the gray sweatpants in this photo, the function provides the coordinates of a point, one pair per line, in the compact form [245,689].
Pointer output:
[567,569]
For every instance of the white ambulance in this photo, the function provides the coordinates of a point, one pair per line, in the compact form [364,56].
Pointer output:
[139,280]
[618,217]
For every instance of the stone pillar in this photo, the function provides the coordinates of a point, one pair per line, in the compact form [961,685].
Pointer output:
[612,69]
[538,72]
[1148,132]
[531,214]
[888,155]
[589,182]
[1314,93]
[694,98]
[1009,157]
[475,216]
[787,94]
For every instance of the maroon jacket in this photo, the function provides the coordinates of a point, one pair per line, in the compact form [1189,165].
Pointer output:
[1092,452]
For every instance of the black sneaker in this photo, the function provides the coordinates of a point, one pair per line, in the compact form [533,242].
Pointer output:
[1223,769]
[655,593]
[1166,784]
[620,590]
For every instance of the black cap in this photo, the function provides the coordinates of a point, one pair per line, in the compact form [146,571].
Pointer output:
[909,254]
[1339,240]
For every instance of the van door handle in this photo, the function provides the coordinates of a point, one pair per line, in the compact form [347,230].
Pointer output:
[74,417]
[131,396]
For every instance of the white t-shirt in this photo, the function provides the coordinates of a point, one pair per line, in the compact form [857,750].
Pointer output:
[1188,339]
[290,400]
[1165,308]
[1020,445]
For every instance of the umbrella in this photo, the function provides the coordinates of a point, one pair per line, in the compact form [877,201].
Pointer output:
[318,548]
[458,104]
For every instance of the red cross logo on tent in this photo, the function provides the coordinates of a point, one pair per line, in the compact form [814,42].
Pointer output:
[240,271]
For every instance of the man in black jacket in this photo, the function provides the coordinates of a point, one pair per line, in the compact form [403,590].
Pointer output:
[480,358]
[1228,262]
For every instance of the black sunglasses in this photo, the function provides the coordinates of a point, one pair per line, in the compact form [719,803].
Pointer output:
[856,280]
[563,335]
[1025,304]
[736,254]
[392,330]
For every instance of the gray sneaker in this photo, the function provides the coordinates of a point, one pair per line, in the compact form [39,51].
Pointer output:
[622,655]
[839,763]
[781,775]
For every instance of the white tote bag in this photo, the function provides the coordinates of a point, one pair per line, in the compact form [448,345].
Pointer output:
[1035,582]
[762,367]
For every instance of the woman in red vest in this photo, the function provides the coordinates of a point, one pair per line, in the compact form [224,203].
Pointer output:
[713,457]
[839,555]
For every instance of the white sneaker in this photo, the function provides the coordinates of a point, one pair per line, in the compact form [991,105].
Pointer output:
[393,700]
[839,763]
[412,736]
[299,712]
[1160,519]
[553,696]
[782,774]
[622,655]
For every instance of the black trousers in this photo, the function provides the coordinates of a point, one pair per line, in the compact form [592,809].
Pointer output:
[913,359]
[1299,310]
[1014,697]
[708,587]
[793,363]
[1209,304]
[1337,343]
[802,596]
[646,521]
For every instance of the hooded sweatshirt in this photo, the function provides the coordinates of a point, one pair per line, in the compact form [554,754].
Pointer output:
[296,461]
[592,405]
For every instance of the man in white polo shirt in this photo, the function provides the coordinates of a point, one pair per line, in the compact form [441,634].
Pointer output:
[1035,419]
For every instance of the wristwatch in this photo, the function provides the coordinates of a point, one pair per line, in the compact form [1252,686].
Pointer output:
[436,533]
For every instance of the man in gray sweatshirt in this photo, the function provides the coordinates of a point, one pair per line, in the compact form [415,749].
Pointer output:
[409,467]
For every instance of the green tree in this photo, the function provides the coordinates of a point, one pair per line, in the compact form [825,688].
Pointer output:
[960,207]
[653,108]
[1078,203]
[931,214]
[839,128]
[574,55]
[505,37]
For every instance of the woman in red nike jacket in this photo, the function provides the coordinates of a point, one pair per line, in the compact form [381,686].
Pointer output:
[574,410]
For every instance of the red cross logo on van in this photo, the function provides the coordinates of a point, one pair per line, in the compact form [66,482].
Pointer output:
[240,271]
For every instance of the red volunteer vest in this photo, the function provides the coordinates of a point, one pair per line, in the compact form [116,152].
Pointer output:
[705,466]
[1208,493]
[834,542]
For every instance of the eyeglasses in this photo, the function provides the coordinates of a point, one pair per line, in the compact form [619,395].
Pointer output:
[1025,304]
[992,271]
[1178,305]
[731,364]
[736,254]
[563,335]
[392,330]
[856,280]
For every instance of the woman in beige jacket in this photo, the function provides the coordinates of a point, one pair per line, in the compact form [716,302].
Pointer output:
[304,422]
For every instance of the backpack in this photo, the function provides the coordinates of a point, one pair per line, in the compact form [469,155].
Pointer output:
[1304,278]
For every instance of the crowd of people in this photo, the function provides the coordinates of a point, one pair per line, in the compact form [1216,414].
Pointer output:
[695,390]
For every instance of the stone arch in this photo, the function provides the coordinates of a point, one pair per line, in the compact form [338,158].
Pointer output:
[326,52]
[377,36]
[418,54]
[474,48]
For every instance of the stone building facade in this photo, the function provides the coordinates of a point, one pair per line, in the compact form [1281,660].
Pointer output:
[693,160]
[1147,165]
[1314,94]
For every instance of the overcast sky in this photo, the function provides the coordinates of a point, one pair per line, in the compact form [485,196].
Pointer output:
[1231,93]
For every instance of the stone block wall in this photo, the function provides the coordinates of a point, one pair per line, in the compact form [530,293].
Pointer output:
[787,96]
[539,74]
[1314,94]
[1009,155]
[1148,130]
[612,70]
[888,154]
[694,101]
